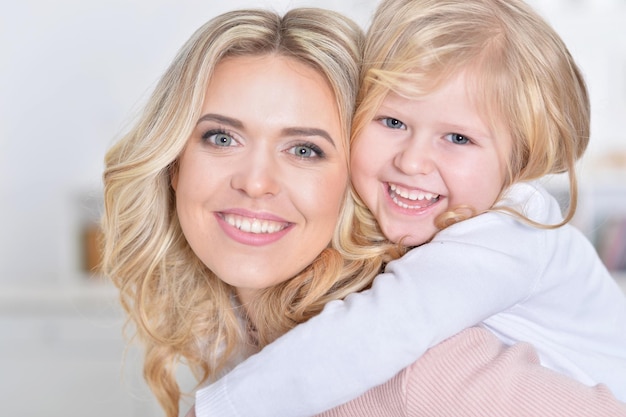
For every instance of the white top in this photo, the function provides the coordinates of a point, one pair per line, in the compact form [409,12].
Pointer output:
[546,287]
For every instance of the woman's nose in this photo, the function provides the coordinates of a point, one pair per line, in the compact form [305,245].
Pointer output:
[415,158]
[257,176]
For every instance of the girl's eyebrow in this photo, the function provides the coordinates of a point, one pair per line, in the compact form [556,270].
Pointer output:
[288,131]
[471,130]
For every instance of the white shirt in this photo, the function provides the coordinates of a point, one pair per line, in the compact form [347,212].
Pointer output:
[546,287]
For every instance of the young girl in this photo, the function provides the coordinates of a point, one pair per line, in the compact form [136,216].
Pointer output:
[464,105]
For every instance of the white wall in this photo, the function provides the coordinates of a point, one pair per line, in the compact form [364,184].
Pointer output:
[72,72]
[595,33]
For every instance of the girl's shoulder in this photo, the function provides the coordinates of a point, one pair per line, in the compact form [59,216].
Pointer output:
[534,201]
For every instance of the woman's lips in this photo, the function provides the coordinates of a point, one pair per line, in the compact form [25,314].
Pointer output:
[252,230]
[253,225]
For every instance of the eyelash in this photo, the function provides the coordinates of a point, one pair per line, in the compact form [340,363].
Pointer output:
[206,137]
[319,153]
[450,136]
[313,147]
[400,125]
[384,121]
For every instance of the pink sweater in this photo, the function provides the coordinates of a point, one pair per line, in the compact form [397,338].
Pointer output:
[473,374]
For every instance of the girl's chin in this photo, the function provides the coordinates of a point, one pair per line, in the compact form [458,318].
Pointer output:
[409,239]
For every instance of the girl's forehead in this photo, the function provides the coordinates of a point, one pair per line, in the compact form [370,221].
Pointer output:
[417,85]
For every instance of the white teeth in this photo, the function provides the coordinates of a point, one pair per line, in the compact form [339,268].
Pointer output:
[253,225]
[412,195]
[401,204]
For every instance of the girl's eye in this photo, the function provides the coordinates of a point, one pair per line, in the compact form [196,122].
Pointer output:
[218,138]
[392,123]
[457,139]
[306,151]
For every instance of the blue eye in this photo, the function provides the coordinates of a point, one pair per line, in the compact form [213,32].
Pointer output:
[392,123]
[457,138]
[306,151]
[218,138]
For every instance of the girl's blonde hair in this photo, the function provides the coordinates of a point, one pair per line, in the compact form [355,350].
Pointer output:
[179,308]
[525,79]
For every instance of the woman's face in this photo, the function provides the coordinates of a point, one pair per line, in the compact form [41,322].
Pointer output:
[263,177]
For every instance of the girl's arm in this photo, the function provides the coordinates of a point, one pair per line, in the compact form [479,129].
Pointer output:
[469,272]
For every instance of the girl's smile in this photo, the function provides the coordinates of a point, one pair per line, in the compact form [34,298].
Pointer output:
[413,199]
[420,158]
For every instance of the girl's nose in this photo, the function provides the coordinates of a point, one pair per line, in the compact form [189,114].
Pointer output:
[415,158]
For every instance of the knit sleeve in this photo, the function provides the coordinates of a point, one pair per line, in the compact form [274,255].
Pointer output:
[474,374]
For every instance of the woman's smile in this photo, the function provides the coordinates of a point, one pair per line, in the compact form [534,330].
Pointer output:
[252,230]
[252,224]
[264,171]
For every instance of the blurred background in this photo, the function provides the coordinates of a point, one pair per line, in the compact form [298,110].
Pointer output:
[72,75]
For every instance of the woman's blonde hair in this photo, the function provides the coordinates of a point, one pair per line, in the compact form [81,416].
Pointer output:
[525,79]
[179,308]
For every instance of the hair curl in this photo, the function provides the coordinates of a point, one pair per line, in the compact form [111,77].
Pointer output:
[179,309]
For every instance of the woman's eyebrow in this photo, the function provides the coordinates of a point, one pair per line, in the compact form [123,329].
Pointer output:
[221,119]
[308,131]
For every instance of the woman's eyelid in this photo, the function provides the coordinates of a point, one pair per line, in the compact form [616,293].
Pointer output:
[210,130]
[213,138]
[307,143]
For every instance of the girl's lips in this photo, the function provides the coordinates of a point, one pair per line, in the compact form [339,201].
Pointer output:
[252,229]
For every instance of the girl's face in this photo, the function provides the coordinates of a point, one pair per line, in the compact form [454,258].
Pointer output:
[262,179]
[419,158]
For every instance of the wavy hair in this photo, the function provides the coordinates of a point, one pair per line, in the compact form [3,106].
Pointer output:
[524,79]
[179,309]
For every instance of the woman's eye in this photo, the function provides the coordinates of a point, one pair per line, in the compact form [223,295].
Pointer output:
[221,139]
[457,139]
[307,150]
[392,123]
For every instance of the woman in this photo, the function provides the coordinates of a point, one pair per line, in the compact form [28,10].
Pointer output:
[222,201]
[232,182]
